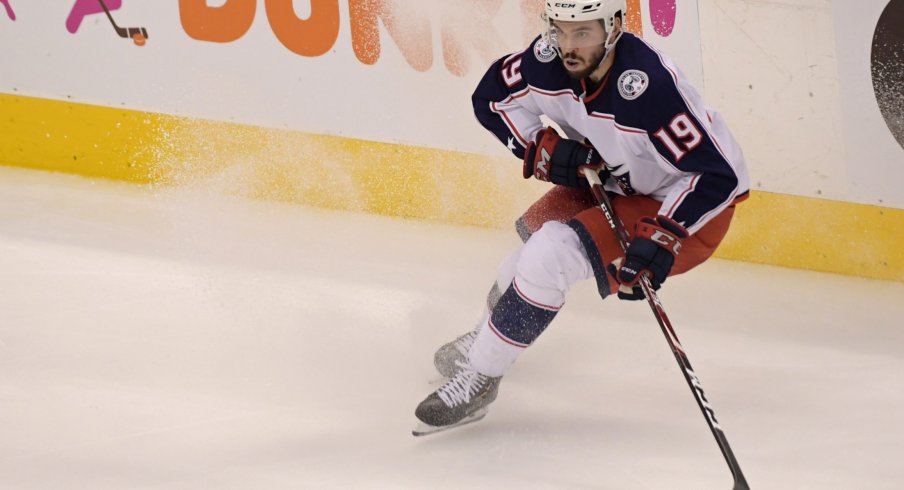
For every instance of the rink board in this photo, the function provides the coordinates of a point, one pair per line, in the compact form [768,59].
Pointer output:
[400,180]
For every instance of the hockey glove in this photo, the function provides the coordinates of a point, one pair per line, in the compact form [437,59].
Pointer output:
[656,243]
[551,158]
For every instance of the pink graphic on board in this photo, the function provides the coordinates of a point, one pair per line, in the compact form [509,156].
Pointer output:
[662,16]
[84,8]
[9,10]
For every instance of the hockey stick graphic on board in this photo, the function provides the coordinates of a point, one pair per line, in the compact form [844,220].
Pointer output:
[139,35]
[596,187]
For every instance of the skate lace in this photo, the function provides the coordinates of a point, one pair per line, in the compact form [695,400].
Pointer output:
[465,342]
[462,387]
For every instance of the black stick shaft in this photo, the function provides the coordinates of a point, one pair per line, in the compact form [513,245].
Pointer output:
[119,30]
[122,32]
[596,187]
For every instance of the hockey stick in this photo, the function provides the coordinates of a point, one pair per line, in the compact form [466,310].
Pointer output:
[128,32]
[596,187]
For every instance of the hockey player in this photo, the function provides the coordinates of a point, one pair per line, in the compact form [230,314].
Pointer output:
[672,169]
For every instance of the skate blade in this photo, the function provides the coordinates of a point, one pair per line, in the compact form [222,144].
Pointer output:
[423,429]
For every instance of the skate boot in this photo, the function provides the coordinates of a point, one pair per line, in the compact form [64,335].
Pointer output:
[448,356]
[462,400]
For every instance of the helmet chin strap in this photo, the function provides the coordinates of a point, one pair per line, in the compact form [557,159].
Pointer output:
[608,49]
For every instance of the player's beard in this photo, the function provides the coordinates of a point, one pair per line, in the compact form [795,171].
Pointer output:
[593,65]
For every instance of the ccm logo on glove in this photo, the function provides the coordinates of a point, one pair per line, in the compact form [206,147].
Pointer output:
[652,252]
[542,169]
[666,240]
[551,158]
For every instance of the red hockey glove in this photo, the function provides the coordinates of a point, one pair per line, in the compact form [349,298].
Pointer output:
[552,159]
[656,243]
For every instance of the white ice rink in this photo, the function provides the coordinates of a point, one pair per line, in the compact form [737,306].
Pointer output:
[177,339]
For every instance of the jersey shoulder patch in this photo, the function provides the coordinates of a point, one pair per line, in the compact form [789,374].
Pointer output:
[541,67]
[543,51]
[633,83]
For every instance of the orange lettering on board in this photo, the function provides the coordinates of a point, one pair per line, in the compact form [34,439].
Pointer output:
[635,21]
[407,23]
[216,24]
[467,27]
[313,36]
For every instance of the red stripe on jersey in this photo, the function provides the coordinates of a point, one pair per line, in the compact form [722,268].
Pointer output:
[610,117]
[598,89]
[546,93]
[509,123]
[684,194]
[705,217]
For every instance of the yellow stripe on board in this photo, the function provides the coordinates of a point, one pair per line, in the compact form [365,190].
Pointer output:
[315,170]
[398,180]
[819,235]
[77,138]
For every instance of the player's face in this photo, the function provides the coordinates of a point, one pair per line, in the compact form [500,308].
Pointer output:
[581,45]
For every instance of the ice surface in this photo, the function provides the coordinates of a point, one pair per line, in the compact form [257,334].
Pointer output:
[177,339]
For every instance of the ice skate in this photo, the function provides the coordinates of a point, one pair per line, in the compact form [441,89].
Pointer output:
[446,357]
[462,400]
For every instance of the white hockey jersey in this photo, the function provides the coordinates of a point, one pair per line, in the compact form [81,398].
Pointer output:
[647,122]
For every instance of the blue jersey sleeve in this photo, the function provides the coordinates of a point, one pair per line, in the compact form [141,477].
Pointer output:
[497,108]
[681,138]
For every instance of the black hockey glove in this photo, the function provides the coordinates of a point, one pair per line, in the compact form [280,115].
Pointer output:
[652,251]
[551,158]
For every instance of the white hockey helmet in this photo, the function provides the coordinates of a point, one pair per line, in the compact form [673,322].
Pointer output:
[583,10]
[578,10]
